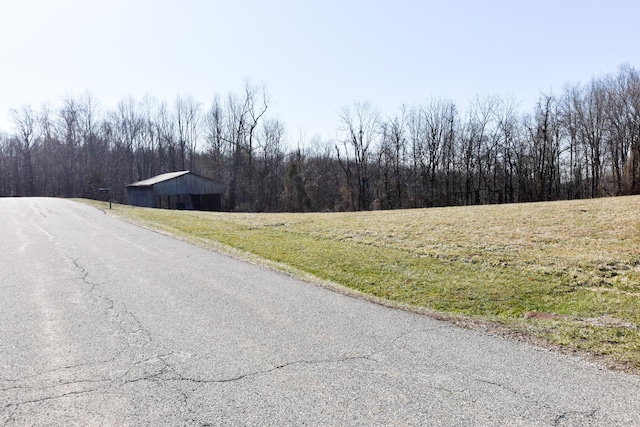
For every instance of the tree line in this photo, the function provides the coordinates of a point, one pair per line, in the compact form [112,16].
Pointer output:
[581,143]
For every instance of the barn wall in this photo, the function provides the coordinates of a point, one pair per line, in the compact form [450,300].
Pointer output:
[140,196]
[187,184]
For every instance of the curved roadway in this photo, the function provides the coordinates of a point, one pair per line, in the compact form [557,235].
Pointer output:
[105,323]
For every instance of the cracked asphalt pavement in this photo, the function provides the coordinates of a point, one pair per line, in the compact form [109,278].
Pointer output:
[105,323]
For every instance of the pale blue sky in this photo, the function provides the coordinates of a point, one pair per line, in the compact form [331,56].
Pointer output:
[314,57]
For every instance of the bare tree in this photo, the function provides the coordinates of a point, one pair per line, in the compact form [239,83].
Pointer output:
[478,146]
[392,158]
[439,118]
[27,134]
[188,123]
[216,141]
[270,165]
[589,107]
[575,168]
[166,145]
[623,117]
[544,134]
[243,114]
[509,152]
[360,123]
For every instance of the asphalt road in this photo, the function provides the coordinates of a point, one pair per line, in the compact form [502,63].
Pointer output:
[104,323]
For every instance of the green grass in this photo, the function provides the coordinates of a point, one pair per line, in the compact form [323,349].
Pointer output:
[487,264]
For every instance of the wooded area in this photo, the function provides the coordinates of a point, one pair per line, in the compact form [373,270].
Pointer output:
[581,143]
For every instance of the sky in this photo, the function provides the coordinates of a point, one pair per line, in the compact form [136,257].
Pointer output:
[314,57]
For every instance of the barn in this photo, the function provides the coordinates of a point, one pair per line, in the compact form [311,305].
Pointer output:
[177,190]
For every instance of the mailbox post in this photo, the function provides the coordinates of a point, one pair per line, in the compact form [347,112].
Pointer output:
[106,190]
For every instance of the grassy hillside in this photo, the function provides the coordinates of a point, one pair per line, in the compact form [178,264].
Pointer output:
[487,265]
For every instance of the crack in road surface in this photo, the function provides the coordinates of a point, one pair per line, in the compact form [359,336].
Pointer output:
[138,341]
[576,418]
[537,402]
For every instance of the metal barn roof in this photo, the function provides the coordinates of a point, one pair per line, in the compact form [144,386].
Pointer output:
[158,178]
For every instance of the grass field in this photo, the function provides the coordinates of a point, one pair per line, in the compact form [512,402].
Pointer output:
[483,265]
